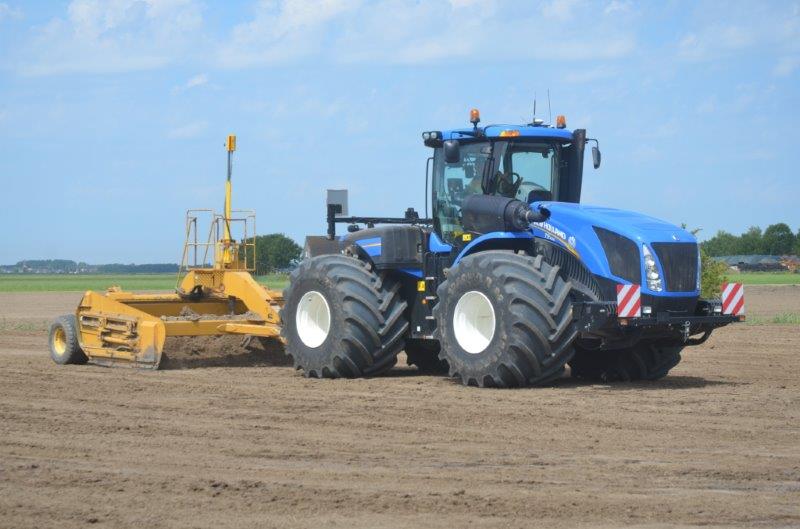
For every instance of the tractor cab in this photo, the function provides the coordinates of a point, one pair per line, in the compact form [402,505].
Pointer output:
[530,163]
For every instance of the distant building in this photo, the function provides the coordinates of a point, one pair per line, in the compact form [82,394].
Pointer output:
[760,263]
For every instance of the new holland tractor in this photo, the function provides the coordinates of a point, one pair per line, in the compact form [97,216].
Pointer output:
[510,280]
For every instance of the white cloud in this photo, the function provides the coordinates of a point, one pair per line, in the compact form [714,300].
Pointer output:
[187,131]
[646,153]
[119,35]
[97,36]
[193,82]
[561,10]
[197,80]
[590,74]
[721,33]
[617,6]
[9,12]
[786,66]
[714,42]
[458,4]
[281,31]
[707,106]
[403,32]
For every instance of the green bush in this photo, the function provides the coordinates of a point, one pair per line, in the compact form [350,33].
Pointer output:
[274,252]
[712,276]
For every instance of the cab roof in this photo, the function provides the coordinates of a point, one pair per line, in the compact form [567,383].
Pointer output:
[525,131]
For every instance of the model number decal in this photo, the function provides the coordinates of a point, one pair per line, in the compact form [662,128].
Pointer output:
[555,234]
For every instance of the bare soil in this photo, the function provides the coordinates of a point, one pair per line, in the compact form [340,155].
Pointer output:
[254,444]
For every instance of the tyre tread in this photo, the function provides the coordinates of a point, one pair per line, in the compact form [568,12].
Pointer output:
[374,328]
[539,319]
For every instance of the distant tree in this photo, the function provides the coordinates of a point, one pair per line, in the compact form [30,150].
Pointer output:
[48,265]
[155,268]
[723,243]
[751,242]
[797,243]
[274,251]
[778,239]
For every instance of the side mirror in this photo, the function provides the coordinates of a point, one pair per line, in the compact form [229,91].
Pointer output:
[596,157]
[452,151]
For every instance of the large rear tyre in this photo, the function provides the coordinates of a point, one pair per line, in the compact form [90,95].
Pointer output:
[643,361]
[340,319]
[505,320]
[63,340]
[425,356]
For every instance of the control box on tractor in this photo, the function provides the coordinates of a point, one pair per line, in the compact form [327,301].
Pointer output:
[510,280]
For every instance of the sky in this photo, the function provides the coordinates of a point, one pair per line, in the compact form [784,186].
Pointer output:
[114,114]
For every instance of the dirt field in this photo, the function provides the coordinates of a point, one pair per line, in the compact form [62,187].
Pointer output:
[717,443]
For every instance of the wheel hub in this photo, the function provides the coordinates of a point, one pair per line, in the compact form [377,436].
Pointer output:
[474,322]
[313,319]
[60,341]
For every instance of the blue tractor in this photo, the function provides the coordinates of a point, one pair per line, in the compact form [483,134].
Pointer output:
[510,280]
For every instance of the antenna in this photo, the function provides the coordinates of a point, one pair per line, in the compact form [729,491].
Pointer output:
[549,110]
[534,108]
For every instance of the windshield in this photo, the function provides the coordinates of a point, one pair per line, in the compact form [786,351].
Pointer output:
[527,171]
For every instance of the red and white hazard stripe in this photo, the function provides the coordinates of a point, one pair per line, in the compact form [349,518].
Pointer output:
[733,299]
[629,301]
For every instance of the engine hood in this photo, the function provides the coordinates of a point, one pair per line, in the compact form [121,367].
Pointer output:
[572,226]
[642,228]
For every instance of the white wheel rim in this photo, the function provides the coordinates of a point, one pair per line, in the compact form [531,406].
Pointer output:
[313,318]
[474,322]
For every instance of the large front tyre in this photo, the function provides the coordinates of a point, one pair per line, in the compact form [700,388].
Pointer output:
[505,320]
[341,319]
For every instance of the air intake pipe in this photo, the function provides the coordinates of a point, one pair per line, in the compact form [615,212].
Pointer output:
[488,213]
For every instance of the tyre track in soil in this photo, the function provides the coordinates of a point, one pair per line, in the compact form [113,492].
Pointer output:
[253,443]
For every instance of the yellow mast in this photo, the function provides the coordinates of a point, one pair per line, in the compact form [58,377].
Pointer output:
[228,256]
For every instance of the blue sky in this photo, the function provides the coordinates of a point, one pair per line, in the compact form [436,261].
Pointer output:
[113,114]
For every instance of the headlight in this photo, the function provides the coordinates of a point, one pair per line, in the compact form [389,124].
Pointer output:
[651,271]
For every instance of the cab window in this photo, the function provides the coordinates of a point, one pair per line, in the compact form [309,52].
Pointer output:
[527,171]
[454,182]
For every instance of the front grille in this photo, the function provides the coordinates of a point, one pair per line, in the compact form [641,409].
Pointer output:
[679,263]
[622,255]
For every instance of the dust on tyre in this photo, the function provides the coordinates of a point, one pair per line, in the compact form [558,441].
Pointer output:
[424,354]
[63,341]
[643,361]
[341,319]
[505,320]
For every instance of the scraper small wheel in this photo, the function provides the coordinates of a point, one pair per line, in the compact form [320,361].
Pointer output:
[64,347]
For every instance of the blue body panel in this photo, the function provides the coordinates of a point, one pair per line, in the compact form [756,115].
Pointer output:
[572,227]
[435,244]
[493,235]
[372,246]
[416,272]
